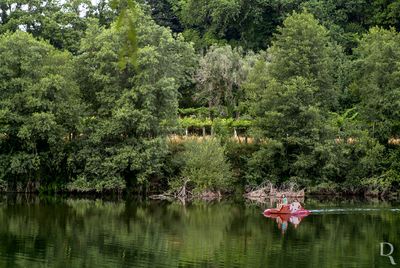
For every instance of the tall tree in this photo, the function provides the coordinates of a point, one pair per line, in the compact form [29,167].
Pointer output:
[130,109]
[377,81]
[39,110]
[62,25]
[219,77]
[163,14]
[248,23]
[291,110]
[302,47]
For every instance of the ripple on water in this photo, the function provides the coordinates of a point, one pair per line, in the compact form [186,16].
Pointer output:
[351,210]
[197,235]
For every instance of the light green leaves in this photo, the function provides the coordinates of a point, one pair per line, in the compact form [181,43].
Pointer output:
[205,165]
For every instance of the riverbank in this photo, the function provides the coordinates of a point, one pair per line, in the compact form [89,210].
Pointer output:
[322,191]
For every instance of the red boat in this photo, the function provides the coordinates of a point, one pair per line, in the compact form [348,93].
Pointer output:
[292,209]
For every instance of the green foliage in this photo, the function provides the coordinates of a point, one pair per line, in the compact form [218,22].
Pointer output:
[163,14]
[256,81]
[251,24]
[81,184]
[302,48]
[347,20]
[61,24]
[246,23]
[131,109]
[340,121]
[389,180]
[125,21]
[289,115]
[201,112]
[351,158]
[219,77]
[270,162]
[290,110]
[194,122]
[239,155]
[377,82]
[39,108]
[222,127]
[205,166]
[90,91]
[307,143]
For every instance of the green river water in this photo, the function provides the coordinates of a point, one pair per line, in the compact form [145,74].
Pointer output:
[70,232]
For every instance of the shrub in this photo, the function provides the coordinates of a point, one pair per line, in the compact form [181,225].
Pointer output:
[205,166]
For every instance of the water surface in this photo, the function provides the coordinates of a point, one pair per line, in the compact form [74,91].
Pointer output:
[59,232]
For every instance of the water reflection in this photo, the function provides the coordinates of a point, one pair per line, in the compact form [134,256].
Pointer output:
[283,220]
[57,232]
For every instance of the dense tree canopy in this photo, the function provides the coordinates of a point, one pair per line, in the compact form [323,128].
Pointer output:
[377,81]
[63,25]
[295,108]
[40,108]
[220,75]
[130,109]
[302,48]
[252,23]
[101,96]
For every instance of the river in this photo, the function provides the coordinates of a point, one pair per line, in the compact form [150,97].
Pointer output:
[70,232]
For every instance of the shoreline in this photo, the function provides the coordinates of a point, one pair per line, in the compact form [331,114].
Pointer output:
[154,196]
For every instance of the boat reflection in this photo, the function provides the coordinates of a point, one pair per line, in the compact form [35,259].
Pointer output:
[283,220]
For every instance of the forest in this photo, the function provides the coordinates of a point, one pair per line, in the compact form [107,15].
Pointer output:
[222,95]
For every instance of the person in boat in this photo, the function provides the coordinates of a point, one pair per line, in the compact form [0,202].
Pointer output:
[283,202]
[295,206]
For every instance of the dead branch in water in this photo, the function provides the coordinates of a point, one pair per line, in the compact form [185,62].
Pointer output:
[268,190]
[183,193]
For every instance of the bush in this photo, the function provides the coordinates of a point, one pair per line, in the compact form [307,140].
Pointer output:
[112,184]
[205,166]
[268,163]
[239,155]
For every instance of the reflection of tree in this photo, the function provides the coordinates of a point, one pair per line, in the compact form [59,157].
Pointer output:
[90,233]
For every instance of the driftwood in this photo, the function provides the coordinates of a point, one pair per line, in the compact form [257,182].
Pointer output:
[183,193]
[262,191]
[259,193]
[267,190]
[209,195]
[161,197]
[290,194]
